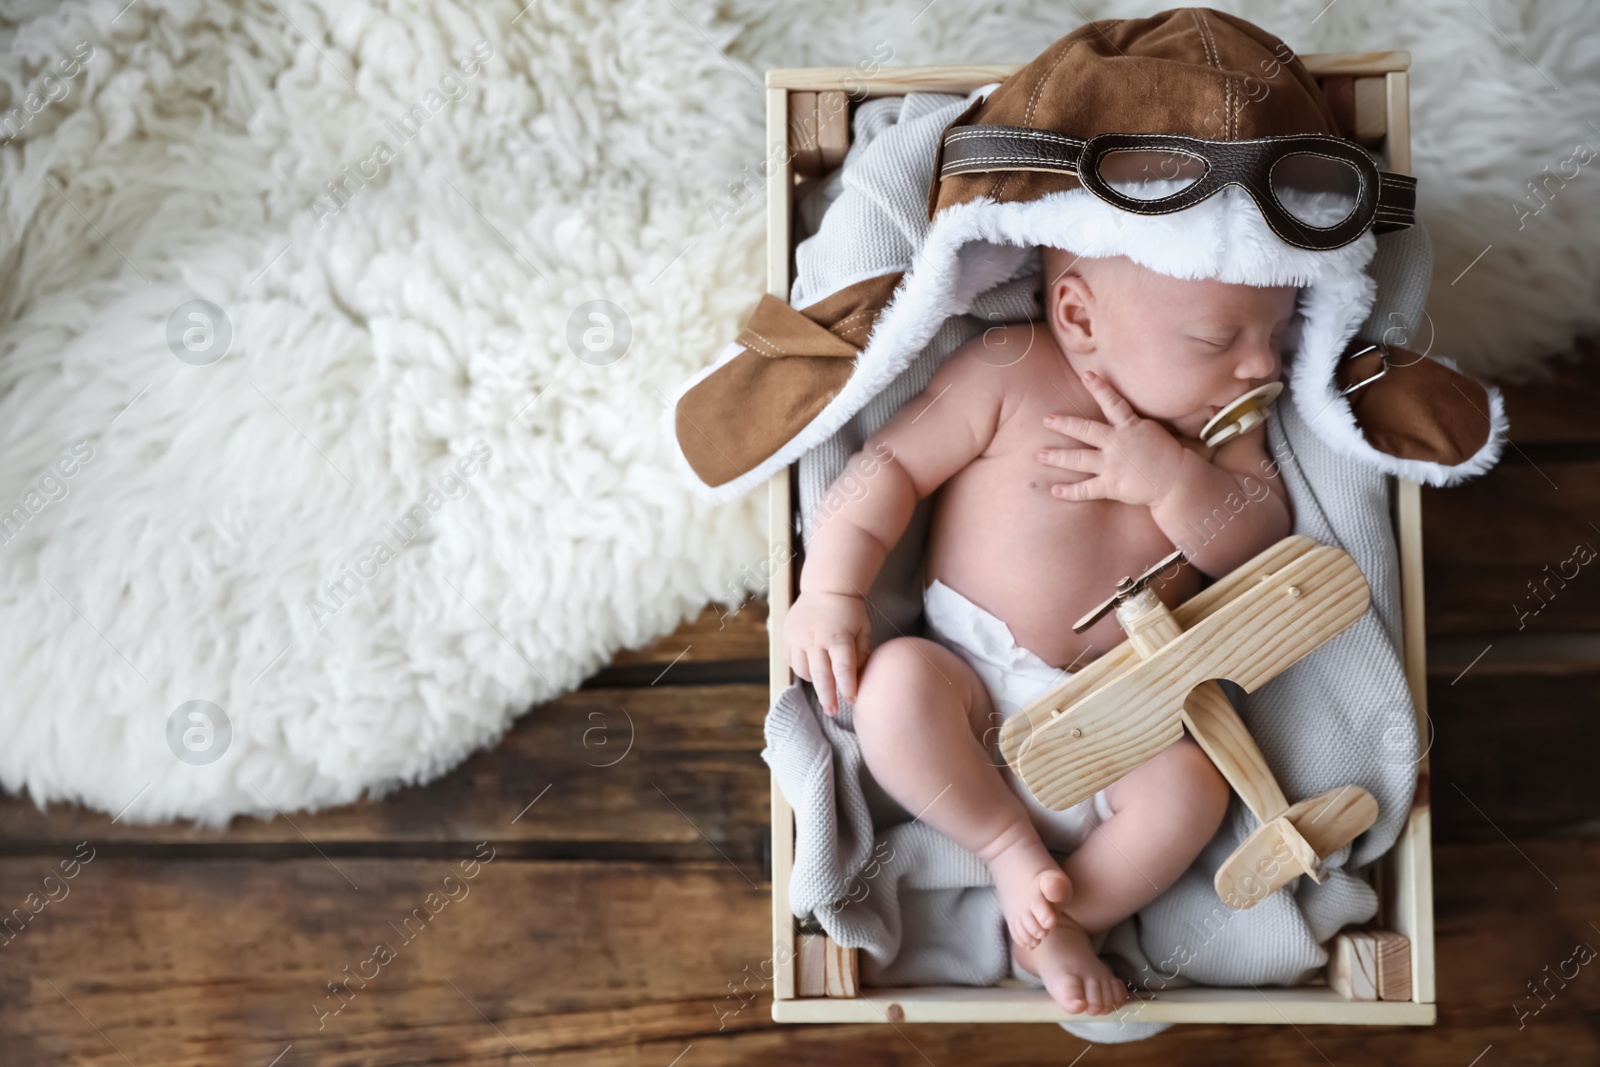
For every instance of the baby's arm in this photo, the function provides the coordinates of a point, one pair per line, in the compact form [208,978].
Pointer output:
[1223,512]
[869,505]
[1214,510]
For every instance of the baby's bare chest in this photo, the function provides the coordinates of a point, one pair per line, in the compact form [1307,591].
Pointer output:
[1000,536]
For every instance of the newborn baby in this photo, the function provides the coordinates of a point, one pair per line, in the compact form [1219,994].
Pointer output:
[1066,457]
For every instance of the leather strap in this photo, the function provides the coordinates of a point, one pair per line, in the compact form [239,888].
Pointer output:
[996,148]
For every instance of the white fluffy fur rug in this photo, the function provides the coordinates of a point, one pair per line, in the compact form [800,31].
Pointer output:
[379,506]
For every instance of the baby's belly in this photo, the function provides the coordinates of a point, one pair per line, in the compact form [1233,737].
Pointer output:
[1039,563]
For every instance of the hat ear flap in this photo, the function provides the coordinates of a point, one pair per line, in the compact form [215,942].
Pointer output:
[785,366]
[1439,423]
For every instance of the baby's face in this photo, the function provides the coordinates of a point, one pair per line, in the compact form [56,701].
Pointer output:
[1179,350]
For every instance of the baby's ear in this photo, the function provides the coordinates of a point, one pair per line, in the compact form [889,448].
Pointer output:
[1067,304]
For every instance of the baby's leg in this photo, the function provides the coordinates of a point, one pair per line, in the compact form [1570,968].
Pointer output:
[919,713]
[1164,812]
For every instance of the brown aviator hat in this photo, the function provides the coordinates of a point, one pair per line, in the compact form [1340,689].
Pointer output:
[1191,141]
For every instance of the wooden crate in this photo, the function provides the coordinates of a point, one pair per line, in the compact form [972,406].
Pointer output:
[1369,93]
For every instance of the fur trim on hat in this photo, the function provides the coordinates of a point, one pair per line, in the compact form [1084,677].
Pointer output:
[974,246]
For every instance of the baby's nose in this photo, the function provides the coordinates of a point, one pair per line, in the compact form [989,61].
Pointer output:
[1260,363]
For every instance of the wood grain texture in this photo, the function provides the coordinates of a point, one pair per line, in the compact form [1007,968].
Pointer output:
[1294,842]
[672,769]
[1498,549]
[1217,728]
[1284,612]
[720,632]
[1514,752]
[963,79]
[1397,138]
[781,492]
[230,962]
[1559,403]
[833,127]
[222,961]
[1370,108]
[1408,882]
[1020,728]
[811,965]
[803,133]
[1211,719]
[1489,538]
[1393,953]
[840,975]
[1353,965]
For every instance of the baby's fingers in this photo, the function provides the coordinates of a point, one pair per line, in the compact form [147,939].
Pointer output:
[1074,459]
[1071,426]
[1117,410]
[1088,489]
[797,663]
[843,654]
[822,679]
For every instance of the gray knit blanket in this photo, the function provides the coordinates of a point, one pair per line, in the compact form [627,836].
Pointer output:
[923,910]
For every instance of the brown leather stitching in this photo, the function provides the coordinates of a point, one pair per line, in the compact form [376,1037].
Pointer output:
[1232,124]
[777,349]
[1205,39]
[841,327]
[1213,54]
[1033,100]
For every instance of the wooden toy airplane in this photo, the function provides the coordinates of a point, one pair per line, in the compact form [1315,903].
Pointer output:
[1135,700]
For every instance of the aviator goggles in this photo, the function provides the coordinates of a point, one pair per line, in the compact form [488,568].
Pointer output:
[1315,191]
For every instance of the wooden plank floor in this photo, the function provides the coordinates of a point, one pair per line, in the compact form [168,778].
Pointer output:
[594,889]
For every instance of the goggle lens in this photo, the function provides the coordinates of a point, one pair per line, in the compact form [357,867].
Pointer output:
[1317,190]
[1150,174]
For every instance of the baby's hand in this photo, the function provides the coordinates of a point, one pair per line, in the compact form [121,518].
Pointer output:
[828,636]
[1134,459]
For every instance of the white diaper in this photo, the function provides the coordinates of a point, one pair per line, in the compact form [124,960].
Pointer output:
[1014,676]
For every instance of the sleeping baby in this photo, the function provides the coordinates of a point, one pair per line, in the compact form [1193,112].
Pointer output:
[1065,458]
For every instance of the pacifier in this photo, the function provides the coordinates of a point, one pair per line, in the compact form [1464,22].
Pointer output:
[1240,417]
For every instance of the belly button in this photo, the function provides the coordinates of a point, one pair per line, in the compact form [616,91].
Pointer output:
[1033,485]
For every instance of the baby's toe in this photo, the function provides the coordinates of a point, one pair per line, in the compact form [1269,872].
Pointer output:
[1072,997]
[1095,995]
[1119,992]
[1109,1001]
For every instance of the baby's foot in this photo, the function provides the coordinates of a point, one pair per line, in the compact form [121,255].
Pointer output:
[1073,973]
[1030,884]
